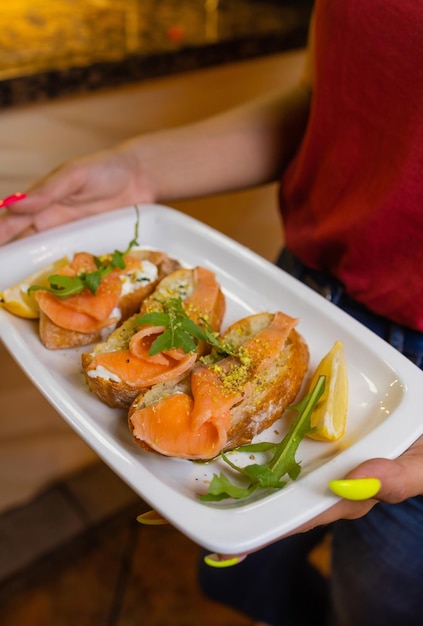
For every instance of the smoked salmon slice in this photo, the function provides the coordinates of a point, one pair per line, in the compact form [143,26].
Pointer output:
[86,312]
[176,437]
[135,367]
[206,302]
[196,425]
[143,371]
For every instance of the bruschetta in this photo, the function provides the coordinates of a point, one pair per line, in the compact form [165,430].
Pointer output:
[225,403]
[120,368]
[87,317]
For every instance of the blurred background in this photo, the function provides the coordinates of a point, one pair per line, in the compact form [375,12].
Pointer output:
[110,41]
[78,76]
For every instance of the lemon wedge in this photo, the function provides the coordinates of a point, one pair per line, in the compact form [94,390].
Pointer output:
[329,418]
[18,301]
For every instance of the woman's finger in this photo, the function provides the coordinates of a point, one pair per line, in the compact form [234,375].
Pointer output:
[223,560]
[151,518]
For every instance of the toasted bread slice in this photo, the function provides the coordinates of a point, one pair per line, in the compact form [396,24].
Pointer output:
[236,401]
[271,390]
[113,370]
[131,301]
[136,285]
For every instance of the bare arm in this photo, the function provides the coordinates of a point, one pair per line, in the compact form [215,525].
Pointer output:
[241,148]
[244,147]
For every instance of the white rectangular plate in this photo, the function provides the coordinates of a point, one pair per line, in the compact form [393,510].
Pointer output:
[385,388]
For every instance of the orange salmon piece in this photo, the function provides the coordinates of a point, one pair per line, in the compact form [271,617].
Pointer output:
[213,397]
[68,318]
[98,305]
[140,344]
[268,343]
[202,302]
[223,384]
[86,312]
[166,427]
[137,368]
[205,418]
[101,304]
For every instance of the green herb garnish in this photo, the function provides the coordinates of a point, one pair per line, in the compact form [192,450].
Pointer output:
[283,462]
[65,286]
[180,330]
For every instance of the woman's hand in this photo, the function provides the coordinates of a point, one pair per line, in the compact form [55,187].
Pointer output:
[399,480]
[79,188]
[375,480]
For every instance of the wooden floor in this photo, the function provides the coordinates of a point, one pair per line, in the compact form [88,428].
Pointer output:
[114,573]
[61,561]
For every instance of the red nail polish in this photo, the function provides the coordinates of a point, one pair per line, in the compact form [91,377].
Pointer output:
[12,199]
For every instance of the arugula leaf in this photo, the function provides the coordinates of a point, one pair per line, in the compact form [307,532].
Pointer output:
[172,318]
[93,279]
[118,260]
[194,329]
[180,330]
[160,344]
[221,487]
[154,319]
[65,286]
[283,461]
[184,340]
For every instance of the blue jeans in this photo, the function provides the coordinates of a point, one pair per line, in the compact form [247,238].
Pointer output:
[377,560]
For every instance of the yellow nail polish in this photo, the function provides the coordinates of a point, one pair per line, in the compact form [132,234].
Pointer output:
[151,518]
[213,561]
[355,488]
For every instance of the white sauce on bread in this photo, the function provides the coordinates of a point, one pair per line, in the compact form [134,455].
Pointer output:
[144,275]
[102,372]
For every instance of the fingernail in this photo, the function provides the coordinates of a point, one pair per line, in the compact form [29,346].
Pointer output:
[151,518]
[12,199]
[213,560]
[355,488]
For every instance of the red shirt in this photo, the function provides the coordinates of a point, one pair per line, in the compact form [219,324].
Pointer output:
[352,198]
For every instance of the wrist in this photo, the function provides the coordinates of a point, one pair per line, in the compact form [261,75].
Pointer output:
[140,188]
